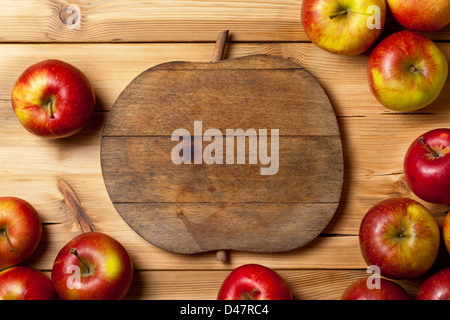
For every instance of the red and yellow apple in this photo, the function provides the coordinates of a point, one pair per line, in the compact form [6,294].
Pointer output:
[343,27]
[53,99]
[254,282]
[436,287]
[421,15]
[401,237]
[406,71]
[427,166]
[388,290]
[20,231]
[25,283]
[92,266]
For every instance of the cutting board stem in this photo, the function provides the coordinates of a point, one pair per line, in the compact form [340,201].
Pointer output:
[220,46]
[221,41]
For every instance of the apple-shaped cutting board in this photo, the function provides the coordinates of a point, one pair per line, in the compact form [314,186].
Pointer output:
[197,206]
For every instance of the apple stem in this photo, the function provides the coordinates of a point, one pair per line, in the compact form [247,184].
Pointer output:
[340,13]
[83,263]
[50,109]
[8,240]
[402,233]
[433,153]
[250,296]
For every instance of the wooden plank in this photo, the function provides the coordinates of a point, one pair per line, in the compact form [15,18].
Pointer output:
[205,284]
[144,21]
[202,227]
[266,92]
[324,252]
[110,67]
[145,173]
[305,284]
[158,21]
[340,252]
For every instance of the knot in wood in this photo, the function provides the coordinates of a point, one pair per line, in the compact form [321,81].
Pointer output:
[71,16]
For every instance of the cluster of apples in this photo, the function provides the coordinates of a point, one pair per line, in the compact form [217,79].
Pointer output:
[406,70]
[92,266]
[54,99]
[400,235]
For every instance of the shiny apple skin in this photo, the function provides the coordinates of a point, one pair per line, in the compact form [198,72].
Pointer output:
[427,172]
[421,15]
[64,84]
[111,268]
[347,34]
[389,290]
[23,225]
[25,283]
[436,287]
[401,237]
[406,71]
[254,282]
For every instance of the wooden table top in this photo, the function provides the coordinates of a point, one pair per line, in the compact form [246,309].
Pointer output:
[117,40]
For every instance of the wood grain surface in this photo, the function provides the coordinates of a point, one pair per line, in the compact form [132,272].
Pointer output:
[116,42]
[158,21]
[200,207]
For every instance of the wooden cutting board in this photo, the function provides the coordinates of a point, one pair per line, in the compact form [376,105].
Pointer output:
[200,207]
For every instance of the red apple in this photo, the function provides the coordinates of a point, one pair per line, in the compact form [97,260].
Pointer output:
[436,287]
[427,166]
[406,71]
[92,266]
[25,283]
[421,15]
[53,99]
[20,231]
[401,237]
[388,290]
[446,232]
[343,27]
[254,282]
